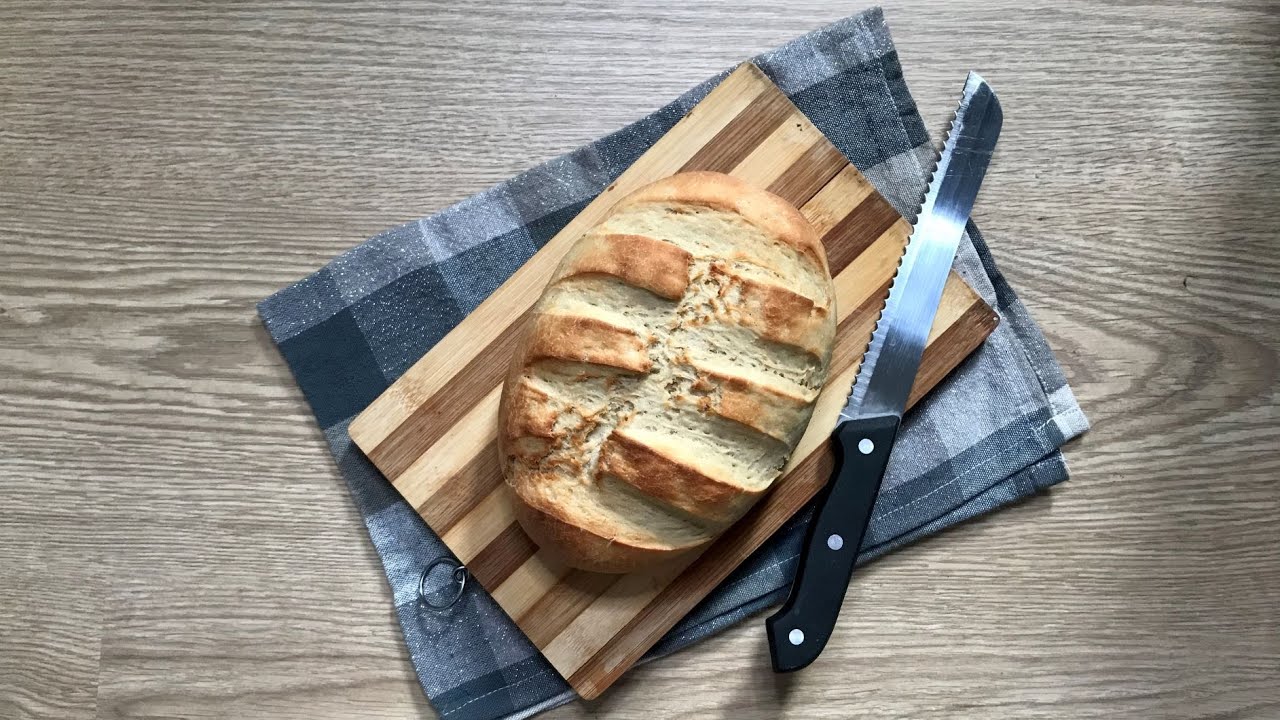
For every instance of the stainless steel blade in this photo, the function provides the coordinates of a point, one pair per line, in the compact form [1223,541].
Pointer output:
[889,366]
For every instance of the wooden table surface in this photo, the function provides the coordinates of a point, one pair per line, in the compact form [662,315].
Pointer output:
[175,540]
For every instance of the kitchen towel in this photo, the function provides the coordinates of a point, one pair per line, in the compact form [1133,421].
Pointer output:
[987,436]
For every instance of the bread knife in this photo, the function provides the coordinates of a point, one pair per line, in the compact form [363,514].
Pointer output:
[869,421]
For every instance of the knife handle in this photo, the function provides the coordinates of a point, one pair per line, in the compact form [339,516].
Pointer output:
[800,629]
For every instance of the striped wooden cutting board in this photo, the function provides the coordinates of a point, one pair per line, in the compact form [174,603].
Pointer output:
[433,433]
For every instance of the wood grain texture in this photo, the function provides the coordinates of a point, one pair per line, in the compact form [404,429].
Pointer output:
[432,434]
[176,542]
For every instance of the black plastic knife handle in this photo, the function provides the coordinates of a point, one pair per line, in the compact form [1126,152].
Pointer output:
[801,628]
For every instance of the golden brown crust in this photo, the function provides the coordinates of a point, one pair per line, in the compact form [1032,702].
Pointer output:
[759,207]
[657,266]
[769,409]
[578,547]
[528,411]
[676,483]
[577,338]
[776,313]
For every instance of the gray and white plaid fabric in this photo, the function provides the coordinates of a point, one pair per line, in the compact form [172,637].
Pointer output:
[987,436]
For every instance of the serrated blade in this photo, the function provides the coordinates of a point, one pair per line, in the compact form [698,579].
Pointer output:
[889,365]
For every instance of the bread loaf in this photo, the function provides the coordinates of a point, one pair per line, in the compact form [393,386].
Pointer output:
[667,372]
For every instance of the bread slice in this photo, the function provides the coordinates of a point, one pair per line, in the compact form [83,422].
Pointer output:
[667,372]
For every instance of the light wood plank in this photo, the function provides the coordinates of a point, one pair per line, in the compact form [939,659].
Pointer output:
[523,588]
[826,208]
[607,614]
[451,453]
[474,532]
[879,261]
[784,147]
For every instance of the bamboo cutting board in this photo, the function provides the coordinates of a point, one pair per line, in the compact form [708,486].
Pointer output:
[433,433]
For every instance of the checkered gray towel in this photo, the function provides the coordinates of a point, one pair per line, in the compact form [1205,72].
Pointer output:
[987,436]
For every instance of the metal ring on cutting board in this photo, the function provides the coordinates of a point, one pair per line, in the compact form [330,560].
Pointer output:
[459,576]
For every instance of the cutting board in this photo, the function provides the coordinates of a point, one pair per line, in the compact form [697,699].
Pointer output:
[433,432]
